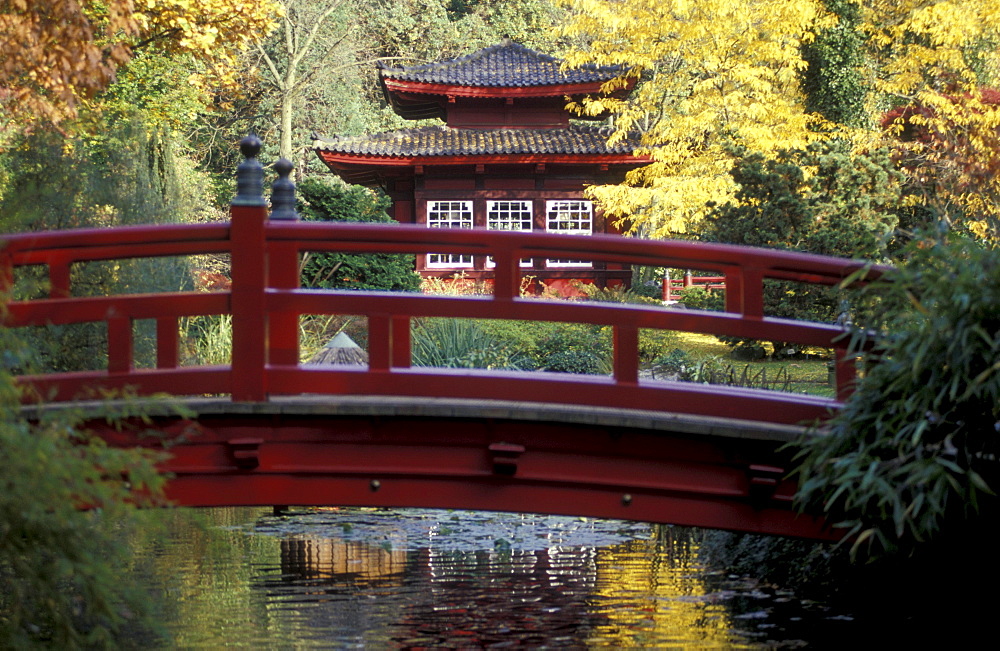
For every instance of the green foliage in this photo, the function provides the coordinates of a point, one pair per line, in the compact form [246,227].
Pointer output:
[914,451]
[572,348]
[555,347]
[59,565]
[822,200]
[699,298]
[324,201]
[458,343]
[121,174]
[619,294]
[833,80]
[157,86]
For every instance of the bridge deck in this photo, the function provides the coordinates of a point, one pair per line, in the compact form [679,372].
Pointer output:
[439,408]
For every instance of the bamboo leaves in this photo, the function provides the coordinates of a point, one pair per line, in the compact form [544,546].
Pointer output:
[916,447]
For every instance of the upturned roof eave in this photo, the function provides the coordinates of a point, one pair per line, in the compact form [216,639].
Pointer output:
[347,158]
[481,91]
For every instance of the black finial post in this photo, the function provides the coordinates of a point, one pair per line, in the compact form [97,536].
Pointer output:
[250,175]
[283,192]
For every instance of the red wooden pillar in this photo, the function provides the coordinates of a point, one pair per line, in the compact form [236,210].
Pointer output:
[6,275]
[626,352]
[283,270]
[248,215]
[845,372]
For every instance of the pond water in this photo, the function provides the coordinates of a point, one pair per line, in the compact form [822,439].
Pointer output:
[346,578]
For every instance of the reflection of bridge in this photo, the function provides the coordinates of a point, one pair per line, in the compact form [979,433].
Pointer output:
[391,434]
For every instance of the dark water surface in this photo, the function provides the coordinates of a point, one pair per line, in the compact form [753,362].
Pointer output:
[447,579]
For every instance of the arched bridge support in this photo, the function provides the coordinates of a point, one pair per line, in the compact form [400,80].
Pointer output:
[444,453]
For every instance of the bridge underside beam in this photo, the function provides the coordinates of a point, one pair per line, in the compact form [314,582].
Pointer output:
[523,497]
[502,464]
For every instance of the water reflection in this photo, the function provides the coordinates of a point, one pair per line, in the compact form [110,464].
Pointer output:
[435,579]
[310,559]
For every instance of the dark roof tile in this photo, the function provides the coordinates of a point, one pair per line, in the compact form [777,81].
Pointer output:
[446,141]
[503,65]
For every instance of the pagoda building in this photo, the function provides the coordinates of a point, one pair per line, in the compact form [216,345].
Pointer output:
[508,157]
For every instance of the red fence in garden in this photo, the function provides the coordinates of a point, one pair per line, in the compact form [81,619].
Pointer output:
[673,287]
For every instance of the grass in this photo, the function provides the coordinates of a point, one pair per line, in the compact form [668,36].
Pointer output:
[808,375]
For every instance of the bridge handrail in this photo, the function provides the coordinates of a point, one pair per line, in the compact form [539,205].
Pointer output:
[80,245]
[266,303]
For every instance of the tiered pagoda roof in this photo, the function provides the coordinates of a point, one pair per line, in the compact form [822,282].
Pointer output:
[507,65]
[445,141]
[502,104]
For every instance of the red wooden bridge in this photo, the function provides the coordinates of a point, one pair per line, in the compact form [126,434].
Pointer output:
[272,431]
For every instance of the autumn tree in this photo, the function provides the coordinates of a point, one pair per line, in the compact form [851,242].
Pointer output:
[939,61]
[710,75]
[767,75]
[57,53]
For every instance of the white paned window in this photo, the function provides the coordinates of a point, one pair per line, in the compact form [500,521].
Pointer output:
[449,214]
[569,217]
[508,216]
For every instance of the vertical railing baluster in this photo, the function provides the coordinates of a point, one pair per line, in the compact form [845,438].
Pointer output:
[119,345]
[248,215]
[59,277]
[167,342]
[753,292]
[283,327]
[845,372]
[401,343]
[506,275]
[745,291]
[626,352]
[6,275]
[734,290]
[379,342]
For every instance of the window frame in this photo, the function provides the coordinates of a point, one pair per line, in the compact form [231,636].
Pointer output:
[526,210]
[578,208]
[466,219]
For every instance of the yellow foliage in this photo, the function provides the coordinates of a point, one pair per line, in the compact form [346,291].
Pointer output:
[715,74]
[712,74]
[937,56]
[214,31]
[56,53]
[928,46]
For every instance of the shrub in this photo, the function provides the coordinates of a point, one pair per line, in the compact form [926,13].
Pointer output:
[59,565]
[699,298]
[323,201]
[823,199]
[573,348]
[915,449]
[458,343]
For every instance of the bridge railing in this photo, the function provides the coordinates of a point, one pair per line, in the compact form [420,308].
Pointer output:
[266,303]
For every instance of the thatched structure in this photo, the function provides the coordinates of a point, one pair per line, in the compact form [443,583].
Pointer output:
[340,350]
